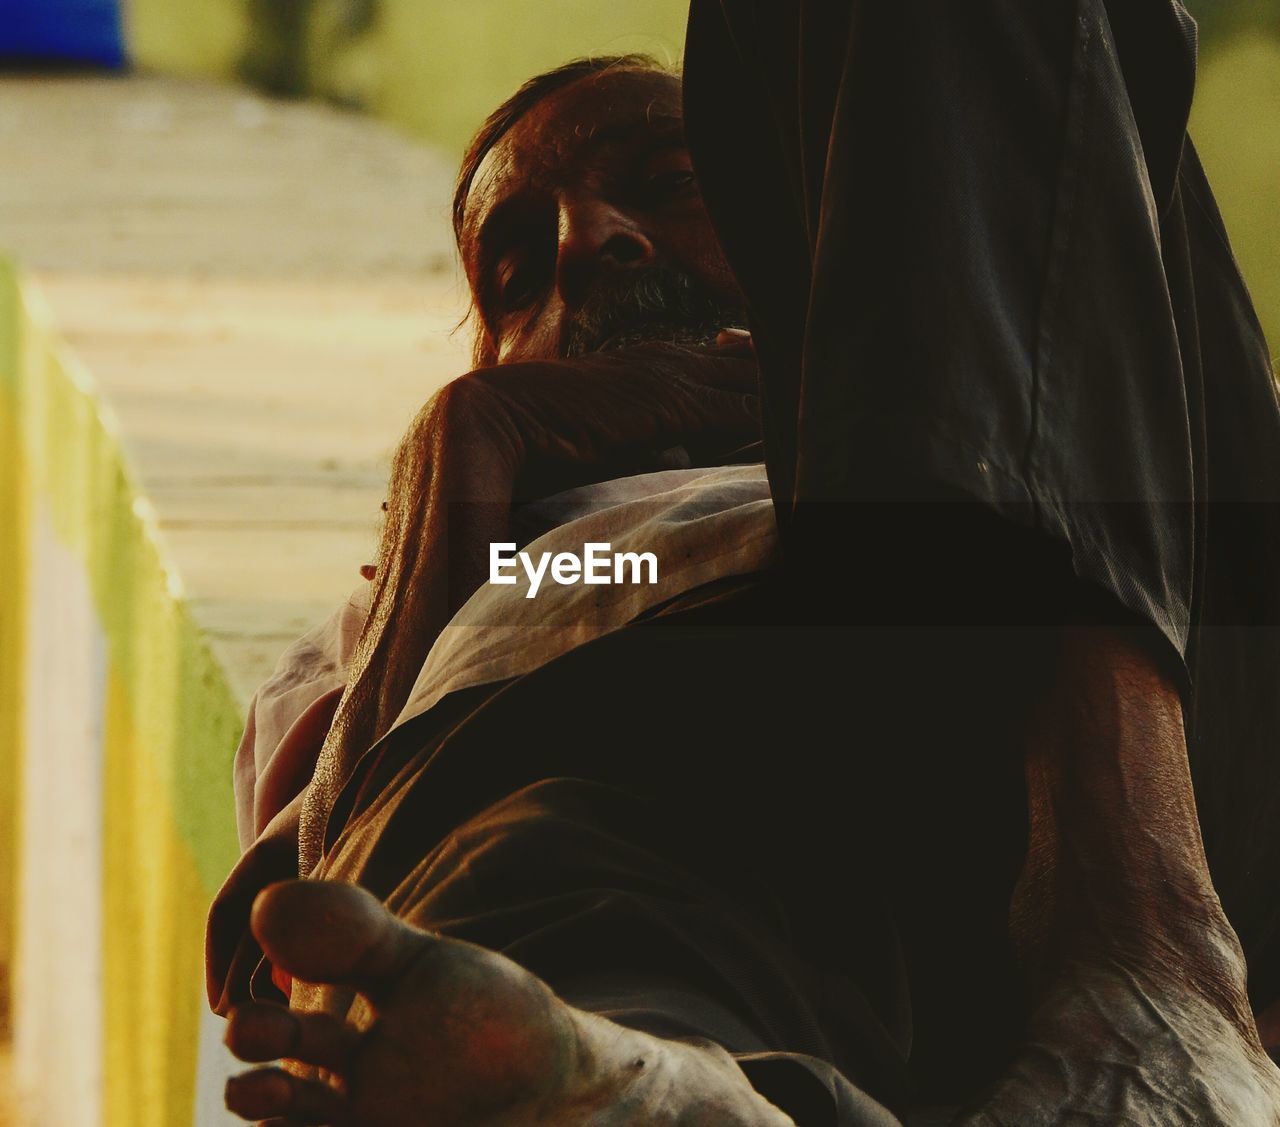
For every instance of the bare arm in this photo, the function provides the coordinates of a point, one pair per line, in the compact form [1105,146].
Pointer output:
[488,438]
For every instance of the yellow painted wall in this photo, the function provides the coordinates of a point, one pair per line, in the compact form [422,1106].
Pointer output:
[192,37]
[169,729]
[435,67]
[14,526]
[153,932]
[445,65]
[1236,126]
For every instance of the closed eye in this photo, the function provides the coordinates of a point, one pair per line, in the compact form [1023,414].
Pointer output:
[516,284]
[665,175]
[514,244]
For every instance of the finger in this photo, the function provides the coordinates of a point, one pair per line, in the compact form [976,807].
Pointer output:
[259,1032]
[729,369]
[271,1093]
[329,932]
[729,413]
[733,368]
[732,338]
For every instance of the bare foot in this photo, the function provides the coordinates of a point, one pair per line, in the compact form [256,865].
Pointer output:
[450,1034]
[1106,1047]
[1141,1015]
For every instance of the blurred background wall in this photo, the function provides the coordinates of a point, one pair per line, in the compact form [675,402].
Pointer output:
[432,66]
[1235,123]
[435,67]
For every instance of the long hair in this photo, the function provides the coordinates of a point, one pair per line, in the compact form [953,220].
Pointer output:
[393,643]
[407,610]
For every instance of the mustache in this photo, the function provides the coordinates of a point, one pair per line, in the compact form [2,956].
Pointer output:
[646,304]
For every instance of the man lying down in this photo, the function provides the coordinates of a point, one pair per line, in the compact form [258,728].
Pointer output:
[878,796]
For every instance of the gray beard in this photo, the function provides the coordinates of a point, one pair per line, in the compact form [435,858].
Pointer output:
[691,336]
[647,306]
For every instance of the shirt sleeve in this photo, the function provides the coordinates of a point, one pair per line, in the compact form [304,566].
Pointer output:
[289,717]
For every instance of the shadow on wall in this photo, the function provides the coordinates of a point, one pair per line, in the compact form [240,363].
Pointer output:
[306,47]
[1220,20]
[275,57]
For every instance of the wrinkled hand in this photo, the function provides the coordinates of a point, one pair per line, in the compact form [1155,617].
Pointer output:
[554,423]
[521,431]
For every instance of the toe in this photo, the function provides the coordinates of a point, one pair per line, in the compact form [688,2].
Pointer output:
[334,933]
[271,1093]
[259,1032]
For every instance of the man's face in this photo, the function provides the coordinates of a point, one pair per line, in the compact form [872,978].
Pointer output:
[584,229]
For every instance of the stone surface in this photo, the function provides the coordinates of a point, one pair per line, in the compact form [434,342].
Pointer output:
[265,292]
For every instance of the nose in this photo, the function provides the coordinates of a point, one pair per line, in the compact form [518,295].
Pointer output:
[595,239]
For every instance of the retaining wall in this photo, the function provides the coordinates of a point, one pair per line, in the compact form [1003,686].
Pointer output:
[117,730]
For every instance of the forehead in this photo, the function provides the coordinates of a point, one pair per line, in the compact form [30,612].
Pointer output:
[558,137]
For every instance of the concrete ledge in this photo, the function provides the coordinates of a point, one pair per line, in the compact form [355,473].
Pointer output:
[228,311]
[122,726]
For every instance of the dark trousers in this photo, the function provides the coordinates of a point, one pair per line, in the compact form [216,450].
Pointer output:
[985,272]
